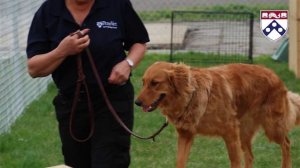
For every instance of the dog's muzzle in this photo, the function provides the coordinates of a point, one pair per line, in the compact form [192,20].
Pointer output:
[153,105]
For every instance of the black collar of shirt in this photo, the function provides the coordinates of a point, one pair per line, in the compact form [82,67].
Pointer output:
[57,7]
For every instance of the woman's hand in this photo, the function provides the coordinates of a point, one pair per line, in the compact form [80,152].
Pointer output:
[120,73]
[73,44]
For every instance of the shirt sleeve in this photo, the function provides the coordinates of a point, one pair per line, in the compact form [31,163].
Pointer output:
[135,31]
[38,41]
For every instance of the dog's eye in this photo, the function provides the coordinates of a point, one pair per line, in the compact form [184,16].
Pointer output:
[153,83]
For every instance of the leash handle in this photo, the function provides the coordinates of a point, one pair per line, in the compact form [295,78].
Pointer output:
[81,81]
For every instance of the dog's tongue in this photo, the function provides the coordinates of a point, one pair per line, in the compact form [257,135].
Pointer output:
[146,108]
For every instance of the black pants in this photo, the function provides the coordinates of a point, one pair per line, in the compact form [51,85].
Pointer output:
[109,146]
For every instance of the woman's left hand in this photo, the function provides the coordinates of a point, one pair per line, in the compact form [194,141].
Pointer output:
[120,73]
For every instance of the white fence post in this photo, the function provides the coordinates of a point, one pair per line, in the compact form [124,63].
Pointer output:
[294,36]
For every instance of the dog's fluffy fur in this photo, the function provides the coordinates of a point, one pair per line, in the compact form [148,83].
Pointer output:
[230,101]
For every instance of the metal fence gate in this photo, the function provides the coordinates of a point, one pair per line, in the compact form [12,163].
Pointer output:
[211,37]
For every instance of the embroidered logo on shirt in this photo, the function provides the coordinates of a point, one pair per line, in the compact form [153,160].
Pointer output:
[107,25]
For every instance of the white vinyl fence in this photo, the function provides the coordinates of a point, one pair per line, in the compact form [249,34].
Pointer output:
[17,88]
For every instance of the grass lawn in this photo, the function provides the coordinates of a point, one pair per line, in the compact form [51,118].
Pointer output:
[33,140]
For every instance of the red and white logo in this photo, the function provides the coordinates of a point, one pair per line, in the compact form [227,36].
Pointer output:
[274,23]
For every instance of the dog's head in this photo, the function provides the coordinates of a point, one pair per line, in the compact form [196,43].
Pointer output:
[162,83]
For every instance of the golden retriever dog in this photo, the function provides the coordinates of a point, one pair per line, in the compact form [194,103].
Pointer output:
[230,101]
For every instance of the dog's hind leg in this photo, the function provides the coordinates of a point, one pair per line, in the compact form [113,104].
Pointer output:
[248,129]
[185,141]
[233,144]
[283,141]
[286,153]
[277,131]
[274,122]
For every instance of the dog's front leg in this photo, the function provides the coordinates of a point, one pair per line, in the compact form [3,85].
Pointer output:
[233,145]
[185,141]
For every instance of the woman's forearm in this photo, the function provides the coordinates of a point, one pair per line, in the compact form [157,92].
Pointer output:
[137,52]
[44,64]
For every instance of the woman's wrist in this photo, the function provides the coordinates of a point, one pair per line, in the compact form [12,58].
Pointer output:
[130,63]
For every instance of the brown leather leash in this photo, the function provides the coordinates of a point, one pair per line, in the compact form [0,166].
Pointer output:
[81,81]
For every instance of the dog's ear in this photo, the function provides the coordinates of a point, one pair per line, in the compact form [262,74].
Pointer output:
[180,78]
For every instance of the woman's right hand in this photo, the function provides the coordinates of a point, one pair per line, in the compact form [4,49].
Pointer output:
[73,44]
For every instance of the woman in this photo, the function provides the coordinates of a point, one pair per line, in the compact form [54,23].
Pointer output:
[109,29]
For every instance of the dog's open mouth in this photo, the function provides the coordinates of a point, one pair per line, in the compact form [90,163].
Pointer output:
[154,105]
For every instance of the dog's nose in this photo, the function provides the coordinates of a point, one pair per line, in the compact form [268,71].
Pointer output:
[138,102]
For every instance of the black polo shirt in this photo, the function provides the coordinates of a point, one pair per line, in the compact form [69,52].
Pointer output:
[114,28]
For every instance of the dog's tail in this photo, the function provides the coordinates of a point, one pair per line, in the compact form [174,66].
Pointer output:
[294,106]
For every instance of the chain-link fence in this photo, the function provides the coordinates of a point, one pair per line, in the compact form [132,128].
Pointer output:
[160,10]
[17,89]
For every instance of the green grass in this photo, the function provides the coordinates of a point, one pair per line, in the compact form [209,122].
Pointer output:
[33,140]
